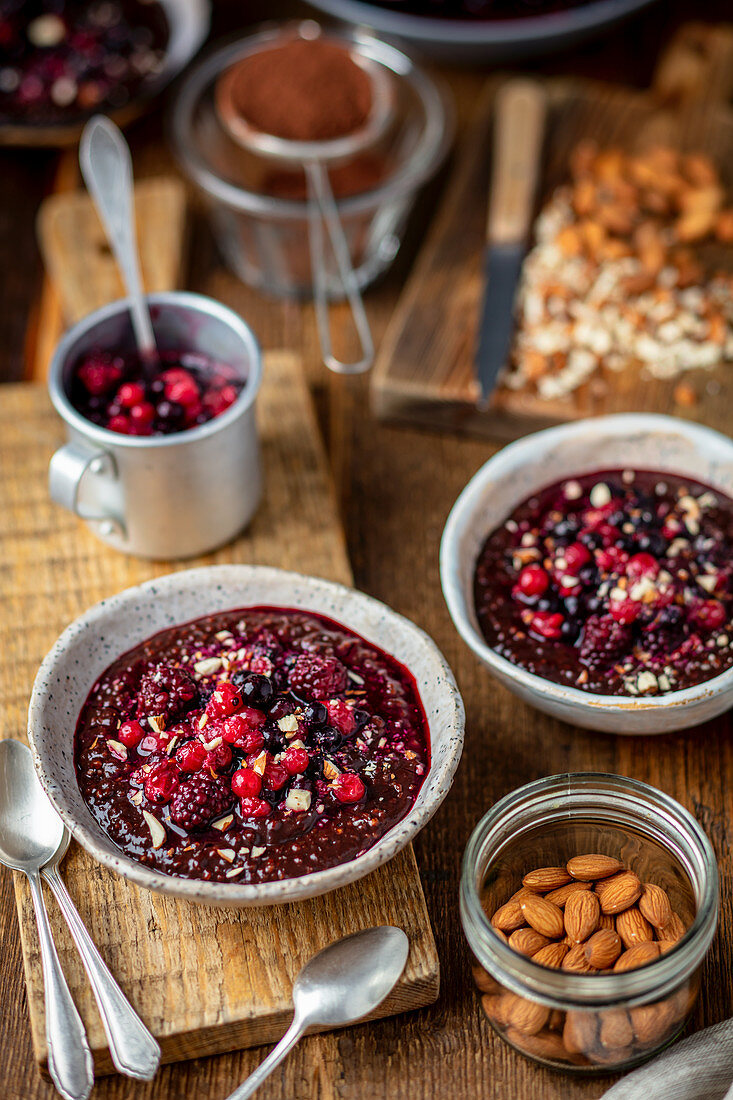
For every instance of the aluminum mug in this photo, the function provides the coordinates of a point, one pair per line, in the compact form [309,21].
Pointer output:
[167,496]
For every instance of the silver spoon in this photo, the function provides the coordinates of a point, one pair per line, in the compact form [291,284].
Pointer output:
[106,165]
[30,831]
[343,983]
[133,1049]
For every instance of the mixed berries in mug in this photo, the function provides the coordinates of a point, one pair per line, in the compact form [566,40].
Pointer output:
[180,390]
[251,745]
[617,582]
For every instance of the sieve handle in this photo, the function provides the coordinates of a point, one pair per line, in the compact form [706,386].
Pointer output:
[322,209]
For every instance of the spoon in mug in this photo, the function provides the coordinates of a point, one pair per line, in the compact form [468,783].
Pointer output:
[104,157]
[341,984]
[32,836]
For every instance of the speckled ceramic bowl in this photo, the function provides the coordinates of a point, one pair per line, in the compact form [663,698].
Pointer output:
[94,640]
[635,441]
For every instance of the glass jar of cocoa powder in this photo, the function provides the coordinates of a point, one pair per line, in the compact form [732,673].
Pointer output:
[258,209]
[586,1018]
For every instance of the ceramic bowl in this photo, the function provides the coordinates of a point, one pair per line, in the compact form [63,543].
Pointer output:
[636,441]
[93,641]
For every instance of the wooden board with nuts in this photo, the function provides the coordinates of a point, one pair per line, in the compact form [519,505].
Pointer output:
[592,916]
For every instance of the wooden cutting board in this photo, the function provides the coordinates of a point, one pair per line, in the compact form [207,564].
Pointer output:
[425,367]
[204,980]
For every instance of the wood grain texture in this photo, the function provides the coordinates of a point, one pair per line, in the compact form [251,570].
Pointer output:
[204,980]
[425,369]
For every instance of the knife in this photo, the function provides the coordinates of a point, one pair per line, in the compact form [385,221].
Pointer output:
[519,125]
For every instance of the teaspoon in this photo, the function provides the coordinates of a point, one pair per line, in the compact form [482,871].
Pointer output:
[343,983]
[133,1049]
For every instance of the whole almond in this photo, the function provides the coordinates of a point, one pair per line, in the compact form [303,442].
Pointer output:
[607,921]
[619,892]
[509,917]
[484,982]
[616,1030]
[546,878]
[594,866]
[633,928]
[638,955]
[552,955]
[544,1045]
[654,905]
[651,1023]
[560,897]
[603,948]
[580,1031]
[502,935]
[576,961]
[673,931]
[543,916]
[582,911]
[526,1016]
[494,1007]
[527,942]
[520,893]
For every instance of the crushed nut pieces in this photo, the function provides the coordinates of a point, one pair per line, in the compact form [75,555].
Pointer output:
[614,277]
[592,916]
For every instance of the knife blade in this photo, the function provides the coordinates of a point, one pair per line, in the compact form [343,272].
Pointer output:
[519,125]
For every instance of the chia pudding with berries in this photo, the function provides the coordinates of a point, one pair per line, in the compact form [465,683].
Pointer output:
[251,745]
[180,390]
[63,59]
[617,582]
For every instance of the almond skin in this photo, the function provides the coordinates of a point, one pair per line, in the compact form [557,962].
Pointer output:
[652,1022]
[619,892]
[602,949]
[579,1033]
[546,878]
[552,955]
[638,955]
[527,942]
[673,931]
[588,868]
[494,1007]
[545,1045]
[616,1030]
[575,960]
[607,921]
[560,897]
[654,905]
[508,917]
[582,911]
[484,982]
[529,1017]
[633,928]
[543,916]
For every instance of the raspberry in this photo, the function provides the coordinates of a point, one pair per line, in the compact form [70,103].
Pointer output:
[341,715]
[603,641]
[641,565]
[191,756]
[246,783]
[254,807]
[624,611]
[119,424]
[161,782]
[296,761]
[316,677]
[576,555]
[166,691]
[532,581]
[199,800]
[612,559]
[348,787]
[548,624]
[99,375]
[130,734]
[225,701]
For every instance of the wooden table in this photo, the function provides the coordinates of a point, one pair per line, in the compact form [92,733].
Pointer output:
[396,487]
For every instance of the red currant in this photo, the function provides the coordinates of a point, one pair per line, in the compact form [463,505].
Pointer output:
[642,565]
[254,807]
[296,761]
[191,756]
[625,611]
[348,787]
[219,758]
[548,624]
[130,734]
[161,782]
[243,729]
[275,776]
[576,555]
[225,701]
[119,424]
[246,783]
[129,394]
[709,614]
[532,581]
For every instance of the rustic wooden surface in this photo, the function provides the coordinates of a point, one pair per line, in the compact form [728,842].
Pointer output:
[204,980]
[396,487]
[425,369]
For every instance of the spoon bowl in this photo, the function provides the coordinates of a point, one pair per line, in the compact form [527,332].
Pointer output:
[30,829]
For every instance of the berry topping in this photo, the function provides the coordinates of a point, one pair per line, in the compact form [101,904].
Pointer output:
[533,581]
[604,639]
[254,807]
[256,690]
[348,787]
[246,783]
[198,800]
[166,691]
[225,701]
[316,677]
[130,734]
[191,756]
[161,782]
[296,761]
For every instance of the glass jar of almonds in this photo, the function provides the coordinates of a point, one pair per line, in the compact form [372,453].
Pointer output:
[589,902]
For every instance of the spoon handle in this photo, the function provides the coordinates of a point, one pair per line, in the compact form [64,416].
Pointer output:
[105,161]
[69,1058]
[273,1059]
[134,1050]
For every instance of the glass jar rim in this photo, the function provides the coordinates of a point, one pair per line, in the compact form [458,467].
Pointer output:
[425,157]
[560,988]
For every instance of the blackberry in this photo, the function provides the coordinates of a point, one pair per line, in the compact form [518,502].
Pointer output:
[166,690]
[603,640]
[317,677]
[199,800]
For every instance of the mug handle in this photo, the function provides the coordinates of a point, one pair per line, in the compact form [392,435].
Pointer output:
[65,475]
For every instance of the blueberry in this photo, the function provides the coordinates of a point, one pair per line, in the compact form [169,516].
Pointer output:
[256,690]
[316,714]
[327,738]
[282,705]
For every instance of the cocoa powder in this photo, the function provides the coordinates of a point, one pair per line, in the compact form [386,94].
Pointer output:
[304,90]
